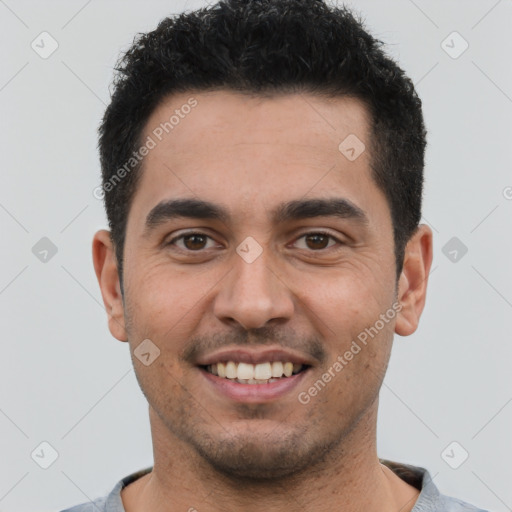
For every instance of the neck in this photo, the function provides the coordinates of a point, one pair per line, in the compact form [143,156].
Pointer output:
[351,479]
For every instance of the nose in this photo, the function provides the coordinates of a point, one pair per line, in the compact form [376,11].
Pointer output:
[253,294]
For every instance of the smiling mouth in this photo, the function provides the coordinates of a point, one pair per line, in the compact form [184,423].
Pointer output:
[262,373]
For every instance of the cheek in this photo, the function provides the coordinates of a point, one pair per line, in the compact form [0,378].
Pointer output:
[165,296]
[345,309]
[164,308]
[160,384]
[345,301]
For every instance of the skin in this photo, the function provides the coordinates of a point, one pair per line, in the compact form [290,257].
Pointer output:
[250,154]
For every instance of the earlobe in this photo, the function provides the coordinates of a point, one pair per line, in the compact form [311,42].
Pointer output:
[105,266]
[412,285]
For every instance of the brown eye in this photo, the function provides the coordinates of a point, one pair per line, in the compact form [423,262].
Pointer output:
[191,241]
[194,242]
[317,240]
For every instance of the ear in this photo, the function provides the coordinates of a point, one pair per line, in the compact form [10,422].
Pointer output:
[105,266]
[412,285]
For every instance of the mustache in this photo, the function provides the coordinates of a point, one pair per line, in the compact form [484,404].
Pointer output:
[204,344]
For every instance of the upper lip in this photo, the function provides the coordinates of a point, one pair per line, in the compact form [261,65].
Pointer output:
[255,356]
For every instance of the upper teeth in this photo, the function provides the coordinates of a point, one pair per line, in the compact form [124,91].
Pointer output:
[261,371]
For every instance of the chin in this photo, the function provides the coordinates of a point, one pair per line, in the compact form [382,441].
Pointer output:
[268,455]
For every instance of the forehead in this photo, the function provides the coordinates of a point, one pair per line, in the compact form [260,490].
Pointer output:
[250,154]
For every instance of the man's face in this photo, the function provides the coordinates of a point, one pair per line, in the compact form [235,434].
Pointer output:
[306,294]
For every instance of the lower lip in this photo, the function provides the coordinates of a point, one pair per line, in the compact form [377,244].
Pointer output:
[254,393]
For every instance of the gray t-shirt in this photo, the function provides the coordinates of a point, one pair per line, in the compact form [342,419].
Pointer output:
[429,500]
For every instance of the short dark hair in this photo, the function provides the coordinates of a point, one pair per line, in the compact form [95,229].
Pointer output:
[267,47]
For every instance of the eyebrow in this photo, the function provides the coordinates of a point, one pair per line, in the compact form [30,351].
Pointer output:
[285,212]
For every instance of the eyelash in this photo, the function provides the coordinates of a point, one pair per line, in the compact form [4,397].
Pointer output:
[324,233]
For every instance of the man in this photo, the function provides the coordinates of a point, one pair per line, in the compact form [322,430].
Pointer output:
[262,171]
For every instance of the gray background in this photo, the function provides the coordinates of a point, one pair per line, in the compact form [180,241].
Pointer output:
[66,381]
